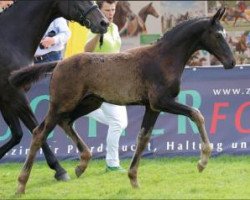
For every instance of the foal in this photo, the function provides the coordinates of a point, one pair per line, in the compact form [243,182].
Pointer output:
[148,76]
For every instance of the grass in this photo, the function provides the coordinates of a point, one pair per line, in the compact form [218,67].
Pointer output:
[226,177]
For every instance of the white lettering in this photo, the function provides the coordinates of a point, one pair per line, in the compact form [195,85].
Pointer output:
[100,148]
[170,146]
[133,147]
[70,148]
[56,149]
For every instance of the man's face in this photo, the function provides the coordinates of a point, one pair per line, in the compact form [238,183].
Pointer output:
[108,10]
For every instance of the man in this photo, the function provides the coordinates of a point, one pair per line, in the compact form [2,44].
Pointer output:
[112,115]
[53,43]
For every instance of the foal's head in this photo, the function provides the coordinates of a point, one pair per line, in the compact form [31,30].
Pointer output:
[213,40]
[84,12]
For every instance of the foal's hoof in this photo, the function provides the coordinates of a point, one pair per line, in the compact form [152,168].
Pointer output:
[62,177]
[18,194]
[132,175]
[20,191]
[134,184]
[200,167]
[78,171]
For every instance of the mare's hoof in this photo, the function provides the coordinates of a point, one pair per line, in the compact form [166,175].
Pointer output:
[62,177]
[78,171]
[200,167]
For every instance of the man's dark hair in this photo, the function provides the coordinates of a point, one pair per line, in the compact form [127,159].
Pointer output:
[100,3]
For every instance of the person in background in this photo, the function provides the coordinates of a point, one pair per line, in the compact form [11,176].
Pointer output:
[52,45]
[112,115]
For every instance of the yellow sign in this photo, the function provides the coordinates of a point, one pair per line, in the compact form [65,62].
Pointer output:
[77,40]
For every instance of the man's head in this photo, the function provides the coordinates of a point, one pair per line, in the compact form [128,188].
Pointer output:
[108,8]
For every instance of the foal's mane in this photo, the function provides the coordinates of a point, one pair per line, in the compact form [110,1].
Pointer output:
[169,34]
[8,8]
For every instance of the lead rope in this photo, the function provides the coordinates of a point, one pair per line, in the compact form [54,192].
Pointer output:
[101,41]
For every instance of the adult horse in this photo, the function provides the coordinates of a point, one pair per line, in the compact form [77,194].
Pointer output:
[137,25]
[241,44]
[182,17]
[148,76]
[235,14]
[123,11]
[22,27]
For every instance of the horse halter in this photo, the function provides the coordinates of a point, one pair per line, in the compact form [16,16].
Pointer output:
[83,15]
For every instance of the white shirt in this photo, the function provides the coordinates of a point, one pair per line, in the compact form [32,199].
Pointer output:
[63,33]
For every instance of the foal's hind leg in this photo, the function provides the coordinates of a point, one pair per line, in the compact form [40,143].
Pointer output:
[28,118]
[86,106]
[39,136]
[85,154]
[169,105]
[149,120]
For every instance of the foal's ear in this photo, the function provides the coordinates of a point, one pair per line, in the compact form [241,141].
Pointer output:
[218,15]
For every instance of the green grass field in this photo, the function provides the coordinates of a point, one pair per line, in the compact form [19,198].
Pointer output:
[167,178]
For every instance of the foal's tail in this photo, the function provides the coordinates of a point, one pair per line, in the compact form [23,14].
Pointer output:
[27,75]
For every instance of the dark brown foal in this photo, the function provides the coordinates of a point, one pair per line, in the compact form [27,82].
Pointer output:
[148,76]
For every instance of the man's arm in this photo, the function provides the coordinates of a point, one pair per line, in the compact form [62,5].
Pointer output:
[64,32]
[62,36]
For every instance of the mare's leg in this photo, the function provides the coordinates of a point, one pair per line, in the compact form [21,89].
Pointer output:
[169,105]
[16,131]
[39,136]
[148,122]
[26,115]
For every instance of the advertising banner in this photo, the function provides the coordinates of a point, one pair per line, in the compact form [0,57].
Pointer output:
[223,96]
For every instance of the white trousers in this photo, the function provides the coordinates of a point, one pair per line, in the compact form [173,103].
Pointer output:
[116,118]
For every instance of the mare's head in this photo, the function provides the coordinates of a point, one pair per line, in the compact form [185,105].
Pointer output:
[213,40]
[86,13]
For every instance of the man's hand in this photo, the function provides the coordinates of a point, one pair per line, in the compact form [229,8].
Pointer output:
[48,42]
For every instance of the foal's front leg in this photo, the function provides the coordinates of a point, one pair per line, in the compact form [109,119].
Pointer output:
[149,120]
[169,105]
